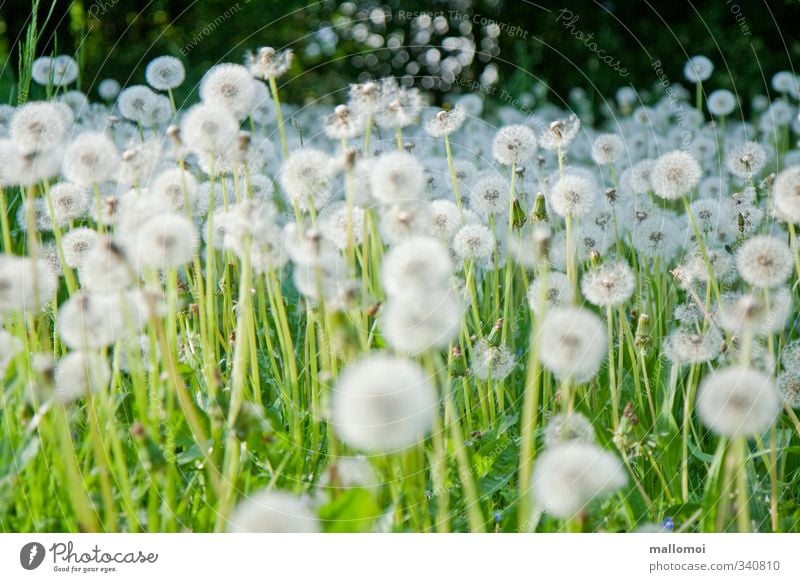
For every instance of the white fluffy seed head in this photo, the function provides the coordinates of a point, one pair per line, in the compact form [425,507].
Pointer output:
[416,323]
[746,160]
[721,102]
[562,428]
[177,187]
[229,86]
[573,343]
[273,512]
[514,144]
[754,314]
[609,285]
[573,195]
[108,89]
[305,177]
[786,191]
[137,103]
[474,242]
[105,268]
[788,383]
[685,346]
[90,321]
[397,176]
[70,202]
[208,129]
[607,149]
[38,126]
[80,373]
[416,266]
[490,197]
[738,402]
[164,241]
[655,236]
[698,69]
[164,73]
[340,224]
[446,219]
[568,476]
[558,292]
[446,122]
[764,261]
[491,362]
[91,158]
[76,244]
[26,285]
[383,404]
[675,174]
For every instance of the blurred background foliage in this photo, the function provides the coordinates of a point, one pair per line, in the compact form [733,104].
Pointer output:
[440,45]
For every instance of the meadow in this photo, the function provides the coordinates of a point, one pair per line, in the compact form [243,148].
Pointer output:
[245,314]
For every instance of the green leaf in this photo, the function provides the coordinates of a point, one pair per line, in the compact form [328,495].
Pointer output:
[353,511]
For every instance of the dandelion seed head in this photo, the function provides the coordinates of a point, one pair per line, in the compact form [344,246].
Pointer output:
[721,102]
[474,242]
[764,261]
[397,176]
[746,160]
[91,158]
[698,69]
[573,196]
[490,197]
[568,476]
[383,404]
[564,428]
[305,178]
[266,62]
[76,244]
[446,122]
[337,224]
[446,219]
[608,285]
[164,241]
[559,292]
[607,149]
[270,511]
[685,346]
[738,401]
[415,266]
[491,362]
[514,144]
[675,174]
[229,86]
[573,343]
[108,89]
[38,126]
[165,73]
[80,373]
[788,383]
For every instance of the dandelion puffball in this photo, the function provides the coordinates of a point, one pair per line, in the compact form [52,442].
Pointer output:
[738,401]
[573,196]
[675,174]
[609,285]
[514,144]
[273,512]
[568,476]
[79,373]
[165,73]
[573,343]
[383,404]
[764,261]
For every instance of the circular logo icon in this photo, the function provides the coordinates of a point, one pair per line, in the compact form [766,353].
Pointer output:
[31,555]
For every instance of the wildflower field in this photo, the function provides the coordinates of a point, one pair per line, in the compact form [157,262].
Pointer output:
[237,313]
